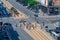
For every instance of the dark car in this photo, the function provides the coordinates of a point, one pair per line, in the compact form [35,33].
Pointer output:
[7,24]
[53,10]
[1,23]
[57,29]
[50,31]
[35,15]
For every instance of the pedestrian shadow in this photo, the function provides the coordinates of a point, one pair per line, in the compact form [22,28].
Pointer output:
[12,34]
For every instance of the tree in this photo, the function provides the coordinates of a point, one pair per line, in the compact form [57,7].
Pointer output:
[25,2]
[32,3]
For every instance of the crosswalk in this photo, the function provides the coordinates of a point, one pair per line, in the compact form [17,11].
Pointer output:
[36,33]
[39,35]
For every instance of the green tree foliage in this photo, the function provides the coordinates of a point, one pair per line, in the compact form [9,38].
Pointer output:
[25,2]
[30,2]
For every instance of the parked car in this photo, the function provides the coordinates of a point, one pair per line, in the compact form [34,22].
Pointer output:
[57,29]
[35,15]
[53,11]
[7,24]
[1,23]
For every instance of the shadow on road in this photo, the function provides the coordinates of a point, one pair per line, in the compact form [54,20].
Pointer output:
[13,34]
[26,35]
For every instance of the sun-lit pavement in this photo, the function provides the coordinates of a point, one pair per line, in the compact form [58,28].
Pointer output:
[39,35]
[21,15]
[9,6]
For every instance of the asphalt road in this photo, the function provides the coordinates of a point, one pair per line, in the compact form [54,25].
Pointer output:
[31,14]
[40,20]
[18,33]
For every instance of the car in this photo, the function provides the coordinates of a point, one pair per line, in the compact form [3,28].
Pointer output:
[57,29]
[53,10]
[22,21]
[1,23]
[35,15]
[50,30]
[7,24]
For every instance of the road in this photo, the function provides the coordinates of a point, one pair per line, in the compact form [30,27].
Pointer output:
[46,19]
[31,14]
[40,35]
[28,13]
[23,34]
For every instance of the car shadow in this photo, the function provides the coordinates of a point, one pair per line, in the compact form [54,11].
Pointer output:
[12,34]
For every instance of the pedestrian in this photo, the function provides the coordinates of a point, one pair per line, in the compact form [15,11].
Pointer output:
[43,24]
[16,25]
[33,26]
[28,26]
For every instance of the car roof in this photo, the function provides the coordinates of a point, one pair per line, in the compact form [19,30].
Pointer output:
[1,23]
[6,24]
